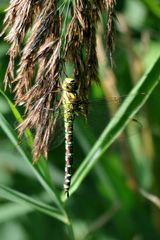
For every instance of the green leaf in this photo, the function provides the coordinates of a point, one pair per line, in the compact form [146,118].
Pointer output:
[153,6]
[41,164]
[13,138]
[13,210]
[86,140]
[3,5]
[128,109]
[18,197]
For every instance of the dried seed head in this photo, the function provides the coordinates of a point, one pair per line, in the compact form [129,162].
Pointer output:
[45,39]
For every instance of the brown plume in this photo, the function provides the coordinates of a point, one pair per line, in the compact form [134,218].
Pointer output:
[44,37]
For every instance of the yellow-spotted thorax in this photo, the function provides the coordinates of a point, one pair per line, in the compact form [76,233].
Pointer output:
[70,88]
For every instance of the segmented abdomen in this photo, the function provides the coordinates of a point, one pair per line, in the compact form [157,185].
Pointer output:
[68,122]
[70,104]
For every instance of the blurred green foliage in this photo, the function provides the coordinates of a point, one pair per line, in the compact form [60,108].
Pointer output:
[107,206]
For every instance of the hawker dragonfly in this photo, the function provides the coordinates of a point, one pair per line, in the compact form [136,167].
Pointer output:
[73,107]
[92,114]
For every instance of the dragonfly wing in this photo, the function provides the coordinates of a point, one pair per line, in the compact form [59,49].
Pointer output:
[100,113]
[58,135]
[97,118]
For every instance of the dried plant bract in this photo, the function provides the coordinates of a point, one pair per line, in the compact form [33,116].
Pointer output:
[45,36]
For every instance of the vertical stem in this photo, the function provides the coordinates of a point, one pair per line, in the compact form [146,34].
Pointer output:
[70,231]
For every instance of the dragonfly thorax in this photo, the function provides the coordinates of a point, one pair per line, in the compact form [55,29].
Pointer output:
[70,85]
[70,96]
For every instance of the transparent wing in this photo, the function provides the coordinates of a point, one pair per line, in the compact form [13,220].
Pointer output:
[100,113]
[58,135]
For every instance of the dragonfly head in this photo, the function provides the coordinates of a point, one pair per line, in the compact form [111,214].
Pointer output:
[70,85]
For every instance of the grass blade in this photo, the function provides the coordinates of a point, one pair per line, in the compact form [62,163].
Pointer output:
[18,197]
[13,138]
[153,6]
[41,164]
[12,210]
[127,110]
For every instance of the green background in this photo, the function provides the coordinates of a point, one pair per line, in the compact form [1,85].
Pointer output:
[110,203]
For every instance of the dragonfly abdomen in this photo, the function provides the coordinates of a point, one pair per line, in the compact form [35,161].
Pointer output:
[68,155]
[70,104]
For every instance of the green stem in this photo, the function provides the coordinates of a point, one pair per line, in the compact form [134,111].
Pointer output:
[70,231]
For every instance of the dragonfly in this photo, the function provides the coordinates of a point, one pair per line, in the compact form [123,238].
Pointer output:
[72,106]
